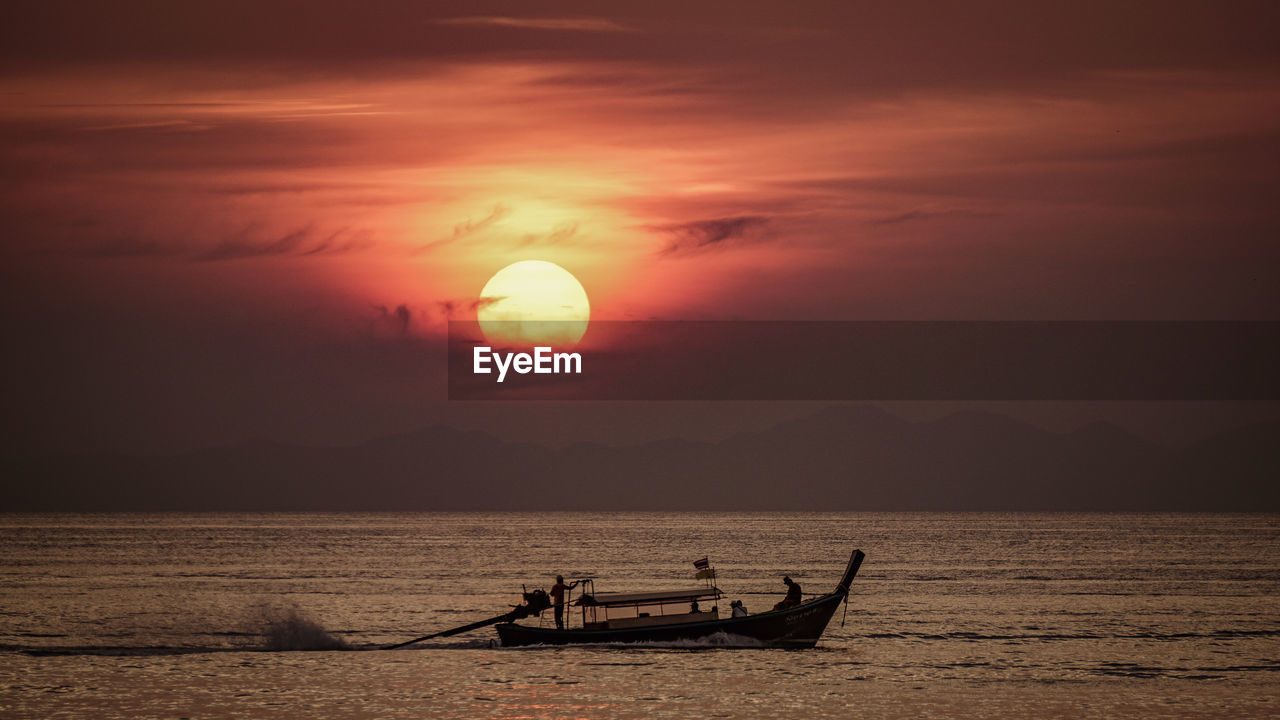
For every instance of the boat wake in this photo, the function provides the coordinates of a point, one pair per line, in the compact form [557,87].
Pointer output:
[716,640]
[289,628]
[265,629]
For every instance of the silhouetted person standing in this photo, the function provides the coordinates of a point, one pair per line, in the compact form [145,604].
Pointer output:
[793,595]
[557,596]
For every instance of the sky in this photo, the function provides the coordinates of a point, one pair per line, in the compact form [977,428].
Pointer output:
[228,220]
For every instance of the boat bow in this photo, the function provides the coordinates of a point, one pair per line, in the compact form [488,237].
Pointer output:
[855,562]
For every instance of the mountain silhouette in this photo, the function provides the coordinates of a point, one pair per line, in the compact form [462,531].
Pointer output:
[840,458]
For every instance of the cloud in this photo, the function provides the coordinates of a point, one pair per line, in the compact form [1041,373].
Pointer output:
[398,318]
[342,241]
[806,49]
[469,227]
[450,308]
[560,235]
[699,234]
[237,249]
[174,125]
[557,24]
[297,243]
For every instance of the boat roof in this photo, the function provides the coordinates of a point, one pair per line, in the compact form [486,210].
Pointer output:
[655,596]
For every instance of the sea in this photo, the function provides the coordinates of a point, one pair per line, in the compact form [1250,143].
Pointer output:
[952,615]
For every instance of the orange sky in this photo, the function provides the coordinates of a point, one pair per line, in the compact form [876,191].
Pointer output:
[289,176]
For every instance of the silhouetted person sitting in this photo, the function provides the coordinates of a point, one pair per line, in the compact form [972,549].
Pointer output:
[793,595]
[693,607]
[739,610]
[557,595]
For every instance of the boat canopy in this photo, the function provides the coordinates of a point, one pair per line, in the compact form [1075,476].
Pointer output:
[656,596]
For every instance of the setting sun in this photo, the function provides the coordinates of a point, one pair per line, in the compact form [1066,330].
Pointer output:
[533,301]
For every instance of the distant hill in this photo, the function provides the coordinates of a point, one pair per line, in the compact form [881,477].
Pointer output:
[841,458]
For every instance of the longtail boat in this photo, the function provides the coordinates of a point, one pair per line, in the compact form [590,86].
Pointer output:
[668,616]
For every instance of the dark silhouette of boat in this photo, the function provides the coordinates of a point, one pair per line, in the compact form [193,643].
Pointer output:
[674,616]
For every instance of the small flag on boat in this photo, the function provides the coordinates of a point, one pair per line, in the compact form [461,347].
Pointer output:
[702,564]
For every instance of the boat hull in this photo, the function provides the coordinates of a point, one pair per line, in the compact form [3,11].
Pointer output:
[796,627]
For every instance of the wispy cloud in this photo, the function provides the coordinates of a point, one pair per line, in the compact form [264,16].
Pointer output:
[560,235]
[302,242]
[451,308]
[173,125]
[341,241]
[468,227]
[236,249]
[398,319]
[699,234]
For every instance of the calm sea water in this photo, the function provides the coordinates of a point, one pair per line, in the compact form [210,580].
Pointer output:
[997,615]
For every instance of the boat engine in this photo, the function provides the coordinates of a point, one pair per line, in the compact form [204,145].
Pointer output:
[535,601]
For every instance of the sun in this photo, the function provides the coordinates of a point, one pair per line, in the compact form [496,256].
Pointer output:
[533,302]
